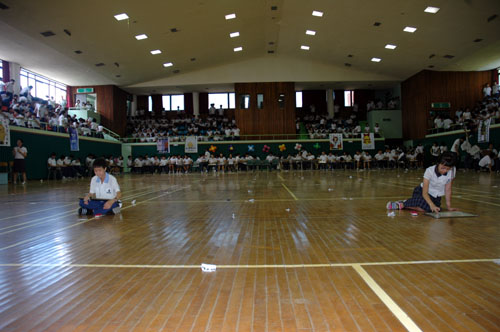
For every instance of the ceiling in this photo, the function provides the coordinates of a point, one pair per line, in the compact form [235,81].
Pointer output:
[202,43]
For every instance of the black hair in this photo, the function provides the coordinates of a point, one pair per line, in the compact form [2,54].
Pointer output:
[448,159]
[100,162]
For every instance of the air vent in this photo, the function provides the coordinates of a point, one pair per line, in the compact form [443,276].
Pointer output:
[78,52]
[447,56]
[350,55]
[271,43]
[270,52]
[431,56]
[47,33]
[177,71]
[478,40]
[347,64]
[492,17]
[193,59]
[274,7]
[117,64]
[377,24]
[118,76]
[66,31]
[174,30]
[3,6]
[100,64]
[431,66]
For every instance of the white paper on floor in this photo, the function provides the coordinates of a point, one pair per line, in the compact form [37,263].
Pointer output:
[208,267]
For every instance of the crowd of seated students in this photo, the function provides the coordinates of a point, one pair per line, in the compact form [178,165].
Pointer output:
[24,110]
[392,104]
[469,118]
[68,167]
[320,126]
[211,128]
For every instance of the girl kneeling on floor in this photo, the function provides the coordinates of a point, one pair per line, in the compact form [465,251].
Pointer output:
[437,182]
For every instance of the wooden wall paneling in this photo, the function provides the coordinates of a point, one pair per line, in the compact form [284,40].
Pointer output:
[316,98]
[157,103]
[142,103]
[188,103]
[203,104]
[119,111]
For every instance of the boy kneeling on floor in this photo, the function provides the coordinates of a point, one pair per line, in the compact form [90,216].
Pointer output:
[104,196]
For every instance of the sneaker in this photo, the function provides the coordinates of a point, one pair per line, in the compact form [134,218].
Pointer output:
[394,206]
[83,211]
[99,215]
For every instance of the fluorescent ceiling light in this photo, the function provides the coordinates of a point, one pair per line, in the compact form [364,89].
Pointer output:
[230,16]
[154,52]
[237,49]
[304,47]
[121,17]
[234,34]
[376,59]
[432,10]
[168,64]
[317,13]
[390,47]
[310,32]
[410,29]
[141,37]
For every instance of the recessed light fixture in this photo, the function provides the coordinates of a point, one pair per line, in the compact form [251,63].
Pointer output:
[432,10]
[304,47]
[317,13]
[141,37]
[410,29]
[121,17]
[238,49]
[230,16]
[390,46]
[154,52]
[168,64]
[376,59]
[310,32]
[234,34]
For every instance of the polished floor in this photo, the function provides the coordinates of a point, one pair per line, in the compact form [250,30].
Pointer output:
[295,251]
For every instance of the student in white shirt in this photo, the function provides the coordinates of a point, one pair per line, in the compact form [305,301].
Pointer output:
[221,163]
[212,163]
[367,159]
[486,163]
[437,182]
[104,195]
[231,162]
[357,159]
[380,159]
[179,164]
[20,153]
[162,167]
[52,167]
[187,162]
[171,164]
[322,160]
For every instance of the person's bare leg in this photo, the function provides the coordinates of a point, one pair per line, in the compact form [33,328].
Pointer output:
[14,178]
[24,177]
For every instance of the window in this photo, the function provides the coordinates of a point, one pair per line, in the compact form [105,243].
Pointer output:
[150,104]
[260,101]
[298,99]
[226,99]
[173,102]
[165,101]
[281,100]
[43,87]
[348,98]
[244,102]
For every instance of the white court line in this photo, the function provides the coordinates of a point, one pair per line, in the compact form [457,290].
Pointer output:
[245,266]
[384,297]
[290,192]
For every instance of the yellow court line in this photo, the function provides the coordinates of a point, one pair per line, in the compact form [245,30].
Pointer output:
[81,222]
[246,266]
[384,297]
[37,211]
[290,192]
[281,178]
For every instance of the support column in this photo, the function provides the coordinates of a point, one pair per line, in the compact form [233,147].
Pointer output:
[133,108]
[15,74]
[196,104]
[329,103]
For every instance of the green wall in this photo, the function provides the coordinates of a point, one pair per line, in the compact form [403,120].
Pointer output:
[390,122]
[242,148]
[41,144]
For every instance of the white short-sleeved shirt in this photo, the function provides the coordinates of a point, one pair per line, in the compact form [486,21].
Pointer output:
[18,152]
[437,184]
[52,162]
[485,161]
[106,189]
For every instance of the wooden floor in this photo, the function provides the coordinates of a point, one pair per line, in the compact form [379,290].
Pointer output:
[295,251]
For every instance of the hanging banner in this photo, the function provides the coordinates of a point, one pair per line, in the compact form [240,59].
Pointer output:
[74,143]
[191,145]
[483,132]
[4,132]
[162,145]
[367,141]
[336,142]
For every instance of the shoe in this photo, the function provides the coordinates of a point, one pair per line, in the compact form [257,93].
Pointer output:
[82,211]
[394,206]
[99,215]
